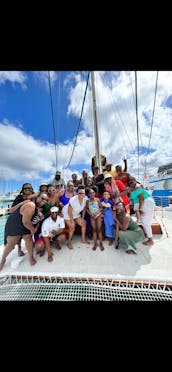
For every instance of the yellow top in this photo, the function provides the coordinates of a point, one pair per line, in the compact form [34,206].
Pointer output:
[112,172]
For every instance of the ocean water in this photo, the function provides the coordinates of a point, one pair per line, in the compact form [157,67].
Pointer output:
[2,226]
[3,204]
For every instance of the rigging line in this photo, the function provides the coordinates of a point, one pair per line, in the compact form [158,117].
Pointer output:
[135,108]
[137,120]
[132,90]
[52,114]
[156,84]
[79,121]
[123,125]
[58,118]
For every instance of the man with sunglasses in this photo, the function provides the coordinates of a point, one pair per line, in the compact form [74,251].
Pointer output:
[52,230]
[23,223]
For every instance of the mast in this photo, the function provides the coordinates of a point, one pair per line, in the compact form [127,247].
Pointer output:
[96,133]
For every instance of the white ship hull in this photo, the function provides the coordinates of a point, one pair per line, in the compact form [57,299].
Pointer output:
[161,183]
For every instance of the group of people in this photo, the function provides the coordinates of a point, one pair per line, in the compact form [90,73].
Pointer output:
[100,204]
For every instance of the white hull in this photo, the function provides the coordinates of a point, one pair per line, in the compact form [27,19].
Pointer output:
[161,183]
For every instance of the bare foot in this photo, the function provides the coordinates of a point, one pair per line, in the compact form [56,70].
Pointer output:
[129,252]
[32,261]
[94,247]
[101,247]
[85,242]
[21,253]
[41,253]
[50,256]
[148,242]
[110,242]
[58,246]
[69,245]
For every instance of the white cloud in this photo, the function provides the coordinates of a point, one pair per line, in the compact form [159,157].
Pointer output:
[13,77]
[117,118]
[43,77]
[22,157]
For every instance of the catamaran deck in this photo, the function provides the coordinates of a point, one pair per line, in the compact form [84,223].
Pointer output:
[150,263]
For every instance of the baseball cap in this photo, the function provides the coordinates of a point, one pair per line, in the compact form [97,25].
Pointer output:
[54,209]
[58,172]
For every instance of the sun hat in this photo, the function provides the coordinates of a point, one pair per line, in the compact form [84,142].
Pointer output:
[106,165]
[108,175]
[54,209]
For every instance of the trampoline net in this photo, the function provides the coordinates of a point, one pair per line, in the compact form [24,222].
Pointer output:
[14,288]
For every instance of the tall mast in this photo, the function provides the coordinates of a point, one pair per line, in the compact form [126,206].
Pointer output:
[96,133]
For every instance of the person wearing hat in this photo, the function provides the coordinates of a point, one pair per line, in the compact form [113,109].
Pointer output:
[58,182]
[114,172]
[109,170]
[52,231]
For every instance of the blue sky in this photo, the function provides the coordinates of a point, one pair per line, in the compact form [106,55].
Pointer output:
[26,129]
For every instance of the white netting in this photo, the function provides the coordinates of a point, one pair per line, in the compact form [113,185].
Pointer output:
[79,289]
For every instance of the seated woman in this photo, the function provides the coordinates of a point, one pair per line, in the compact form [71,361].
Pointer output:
[117,190]
[129,232]
[72,215]
[144,206]
[53,200]
[65,195]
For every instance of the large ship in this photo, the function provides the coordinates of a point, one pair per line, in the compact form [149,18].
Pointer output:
[162,185]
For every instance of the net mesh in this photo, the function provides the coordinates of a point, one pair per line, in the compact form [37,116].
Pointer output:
[79,289]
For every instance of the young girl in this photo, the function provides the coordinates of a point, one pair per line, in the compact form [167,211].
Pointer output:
[94,209]
[108,219]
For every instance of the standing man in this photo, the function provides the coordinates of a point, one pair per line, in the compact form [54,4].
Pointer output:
[58,182]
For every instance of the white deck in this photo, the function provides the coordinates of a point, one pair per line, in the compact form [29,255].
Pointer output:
[150,263]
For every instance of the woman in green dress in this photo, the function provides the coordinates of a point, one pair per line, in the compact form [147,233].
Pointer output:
[129,232]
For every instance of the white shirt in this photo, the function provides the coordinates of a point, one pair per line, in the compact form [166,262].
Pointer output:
[59,182]
[77,208]
[49,225]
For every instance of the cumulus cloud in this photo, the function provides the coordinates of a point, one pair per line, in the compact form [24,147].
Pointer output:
[43,77]
[117,118]
[22,156]
[13,77]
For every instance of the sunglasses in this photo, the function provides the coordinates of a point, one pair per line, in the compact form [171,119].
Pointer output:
[81,193]
[46,200]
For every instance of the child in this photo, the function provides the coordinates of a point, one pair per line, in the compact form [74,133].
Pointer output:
[109,222]
[94,209]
